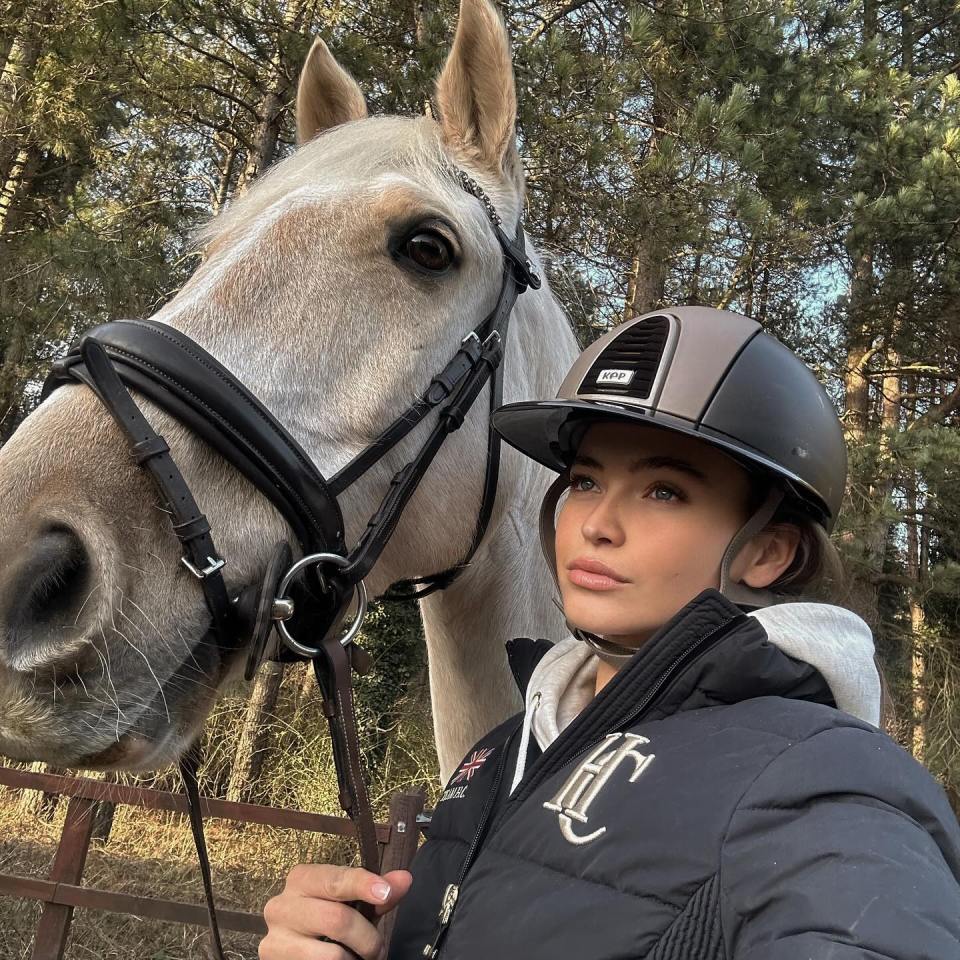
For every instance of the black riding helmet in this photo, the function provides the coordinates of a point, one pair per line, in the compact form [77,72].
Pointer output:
[710,374]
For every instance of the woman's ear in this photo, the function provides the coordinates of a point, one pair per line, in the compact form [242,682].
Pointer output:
[767,556]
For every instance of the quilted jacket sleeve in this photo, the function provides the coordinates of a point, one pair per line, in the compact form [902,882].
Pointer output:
[843,848]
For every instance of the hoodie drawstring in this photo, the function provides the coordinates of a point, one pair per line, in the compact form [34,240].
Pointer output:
[525,741]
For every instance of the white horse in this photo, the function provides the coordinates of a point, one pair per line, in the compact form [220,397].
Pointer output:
[308,294]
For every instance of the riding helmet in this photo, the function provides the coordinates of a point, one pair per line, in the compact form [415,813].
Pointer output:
[706,373]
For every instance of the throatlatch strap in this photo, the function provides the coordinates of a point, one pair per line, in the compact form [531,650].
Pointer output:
[189,765]
[405,482]
[467,374]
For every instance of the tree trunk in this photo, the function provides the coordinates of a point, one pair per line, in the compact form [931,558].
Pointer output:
[308,686]
[14,352]
[645,280]
[878,535]
[918,681]
[12,13]
[103,814]
[16,83]
[11,187]
[761,315]
[273,104]
[859,351]
[251,750]
[264,143]
[917,559]
[425,43]
[254,738]
[647,275]
[225,178]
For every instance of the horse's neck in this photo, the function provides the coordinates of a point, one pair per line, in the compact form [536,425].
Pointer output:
[506,593]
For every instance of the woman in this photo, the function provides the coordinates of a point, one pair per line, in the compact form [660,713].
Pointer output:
[699,771]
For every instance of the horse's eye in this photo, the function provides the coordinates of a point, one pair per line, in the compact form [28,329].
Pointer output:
[429,250]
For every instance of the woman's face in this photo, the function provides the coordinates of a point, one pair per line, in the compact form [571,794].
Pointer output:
[644,527]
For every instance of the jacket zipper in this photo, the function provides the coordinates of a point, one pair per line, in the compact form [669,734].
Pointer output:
[448,904]
[432,950]
[680,660]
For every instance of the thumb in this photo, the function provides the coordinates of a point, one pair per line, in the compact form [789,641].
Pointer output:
[400,882]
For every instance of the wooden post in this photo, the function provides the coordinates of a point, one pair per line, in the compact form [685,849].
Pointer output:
[402,845]
[68,864]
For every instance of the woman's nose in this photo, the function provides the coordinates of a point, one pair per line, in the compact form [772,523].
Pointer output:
[602,524]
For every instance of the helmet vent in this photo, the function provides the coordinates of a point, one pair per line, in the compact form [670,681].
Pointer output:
[628,367]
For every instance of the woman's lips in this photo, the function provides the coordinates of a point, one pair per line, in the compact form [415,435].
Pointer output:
[594,575]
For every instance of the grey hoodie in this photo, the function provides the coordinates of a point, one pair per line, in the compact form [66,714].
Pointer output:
[835,641]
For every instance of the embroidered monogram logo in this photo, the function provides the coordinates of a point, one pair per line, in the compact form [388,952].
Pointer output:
[590,777]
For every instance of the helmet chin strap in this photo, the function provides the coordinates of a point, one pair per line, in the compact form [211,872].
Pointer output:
[614,653]
[738,592]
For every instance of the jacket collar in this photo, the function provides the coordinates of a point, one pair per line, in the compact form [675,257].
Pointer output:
[711,652]
[739,665]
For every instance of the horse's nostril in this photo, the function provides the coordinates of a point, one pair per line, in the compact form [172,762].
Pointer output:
[48,590]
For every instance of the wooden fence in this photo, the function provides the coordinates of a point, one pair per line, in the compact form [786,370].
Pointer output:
[62,891]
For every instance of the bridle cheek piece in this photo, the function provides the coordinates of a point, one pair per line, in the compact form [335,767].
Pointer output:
[167,367]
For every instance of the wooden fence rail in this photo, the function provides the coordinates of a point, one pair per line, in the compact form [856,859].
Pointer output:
[62,891]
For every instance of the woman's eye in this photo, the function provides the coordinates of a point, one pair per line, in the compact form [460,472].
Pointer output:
[665,494]
[581,483]
[429,250]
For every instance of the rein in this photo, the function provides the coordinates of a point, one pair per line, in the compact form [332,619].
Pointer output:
[297,609]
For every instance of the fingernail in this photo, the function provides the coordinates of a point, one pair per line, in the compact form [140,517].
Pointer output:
[381,890]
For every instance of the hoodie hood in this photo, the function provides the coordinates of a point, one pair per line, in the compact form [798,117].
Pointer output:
[836,642]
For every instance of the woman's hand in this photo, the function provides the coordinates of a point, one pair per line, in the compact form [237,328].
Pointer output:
[314,904]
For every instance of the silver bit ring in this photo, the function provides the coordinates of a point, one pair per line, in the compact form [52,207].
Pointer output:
[281,601]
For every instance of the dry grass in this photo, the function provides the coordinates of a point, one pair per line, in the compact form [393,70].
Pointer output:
[152,854]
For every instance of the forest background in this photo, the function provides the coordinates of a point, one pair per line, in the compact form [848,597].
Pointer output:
[797,161]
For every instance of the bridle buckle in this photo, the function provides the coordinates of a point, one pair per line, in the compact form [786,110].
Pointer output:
[213,565]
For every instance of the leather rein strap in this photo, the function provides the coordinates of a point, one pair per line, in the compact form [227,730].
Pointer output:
[170,369]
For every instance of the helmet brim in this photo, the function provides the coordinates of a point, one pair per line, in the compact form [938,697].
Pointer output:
[549,431]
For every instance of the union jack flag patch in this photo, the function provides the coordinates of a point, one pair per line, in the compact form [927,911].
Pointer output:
[477,759]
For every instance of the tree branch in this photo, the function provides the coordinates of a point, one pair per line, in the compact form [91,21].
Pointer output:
[939,413]
[564,11]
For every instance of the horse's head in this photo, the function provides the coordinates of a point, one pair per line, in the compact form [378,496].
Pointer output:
[335,289]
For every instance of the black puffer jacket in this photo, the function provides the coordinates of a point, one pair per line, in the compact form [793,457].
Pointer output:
[709,803]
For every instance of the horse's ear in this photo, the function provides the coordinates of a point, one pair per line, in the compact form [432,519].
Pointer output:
[476,96]
[327,95]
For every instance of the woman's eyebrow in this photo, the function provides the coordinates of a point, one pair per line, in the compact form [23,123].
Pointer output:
[672,463]
[649,463]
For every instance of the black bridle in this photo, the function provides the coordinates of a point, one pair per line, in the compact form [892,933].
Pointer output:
[175,373]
